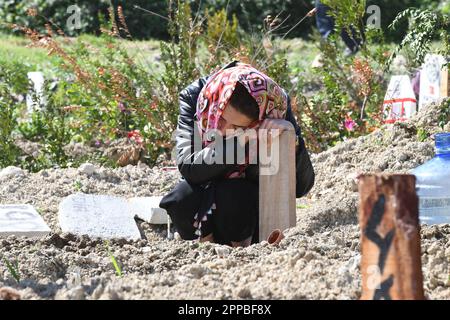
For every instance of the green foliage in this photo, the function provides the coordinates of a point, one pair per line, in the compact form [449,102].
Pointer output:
[48,125]
[220,29]
[347,13]
[106,93]
[146,19]
[113,260]
[13,82]
[349,101]
[178,58]
[422,134]
[444,115]
[13,268]
[142,24]
[424,27]
[222,35]
[324,114]
[251,14]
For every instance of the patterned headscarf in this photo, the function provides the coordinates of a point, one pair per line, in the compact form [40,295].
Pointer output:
[216,93]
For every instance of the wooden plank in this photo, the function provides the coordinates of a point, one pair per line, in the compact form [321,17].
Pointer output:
[445,83]
[277,188]
[390,238]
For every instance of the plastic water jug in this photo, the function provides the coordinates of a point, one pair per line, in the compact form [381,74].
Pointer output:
[433,184]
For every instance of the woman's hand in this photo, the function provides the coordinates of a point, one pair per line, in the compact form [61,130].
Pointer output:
[273,128]
[279,125]
[276,114]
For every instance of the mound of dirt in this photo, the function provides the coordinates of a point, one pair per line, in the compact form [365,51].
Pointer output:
[318,259]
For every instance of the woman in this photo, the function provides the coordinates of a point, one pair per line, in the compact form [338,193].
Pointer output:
[217,201]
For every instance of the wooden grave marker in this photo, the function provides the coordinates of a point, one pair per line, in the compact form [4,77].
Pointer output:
[390,238]
[277,209]
[445,83]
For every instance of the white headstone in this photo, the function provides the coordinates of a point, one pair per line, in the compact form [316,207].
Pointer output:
[147,208]
[35,98]
[21,220]
[100,216]
[400,101]
[430,79]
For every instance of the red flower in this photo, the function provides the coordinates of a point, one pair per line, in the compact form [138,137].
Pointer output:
[135,135]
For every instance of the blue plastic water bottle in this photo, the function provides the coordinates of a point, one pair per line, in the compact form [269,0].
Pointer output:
[433,184]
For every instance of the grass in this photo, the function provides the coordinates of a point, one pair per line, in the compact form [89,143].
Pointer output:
[13,268]
[15,47]
[77,185]
[113,260]
[300,53]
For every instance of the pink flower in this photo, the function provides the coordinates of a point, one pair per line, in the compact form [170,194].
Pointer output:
[121,107]
[349,123]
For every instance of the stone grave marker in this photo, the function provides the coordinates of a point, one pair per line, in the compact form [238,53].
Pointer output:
[147,208]
[430,79]
[21,220]
[102,216]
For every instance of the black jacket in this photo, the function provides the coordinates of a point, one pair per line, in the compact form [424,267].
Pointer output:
[188,158]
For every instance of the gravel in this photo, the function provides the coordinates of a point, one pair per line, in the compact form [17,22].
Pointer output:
[318,259]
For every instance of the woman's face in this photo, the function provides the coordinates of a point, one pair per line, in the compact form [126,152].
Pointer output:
[232,120]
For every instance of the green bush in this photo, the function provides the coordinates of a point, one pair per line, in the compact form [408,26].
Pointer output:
[147,22]
[348,103]
[13,83]
[141,23]
[425,26]
[104,94]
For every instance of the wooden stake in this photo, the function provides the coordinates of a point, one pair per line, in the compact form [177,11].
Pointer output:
[390,238]
[277,190]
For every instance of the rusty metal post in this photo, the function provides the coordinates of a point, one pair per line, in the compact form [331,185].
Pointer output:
[390,238]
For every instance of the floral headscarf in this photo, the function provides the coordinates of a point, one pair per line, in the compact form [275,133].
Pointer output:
[216,93]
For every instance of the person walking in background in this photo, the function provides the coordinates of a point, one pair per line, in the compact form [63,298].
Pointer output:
[325,24]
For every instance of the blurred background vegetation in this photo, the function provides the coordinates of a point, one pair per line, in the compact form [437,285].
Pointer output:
[144,25]
[112,86]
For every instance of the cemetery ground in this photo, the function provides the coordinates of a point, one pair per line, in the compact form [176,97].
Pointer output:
[318,259]
[100,93]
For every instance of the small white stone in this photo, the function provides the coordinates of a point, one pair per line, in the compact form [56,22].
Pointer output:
[197,271]
[76,293]
[222,251]
[10,172]
[87,168]
[146,249]
[98,292]
[244,293]
[147,209]
[309,256]
[142,165]
[433,248]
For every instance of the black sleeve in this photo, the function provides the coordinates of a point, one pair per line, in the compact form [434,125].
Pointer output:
[304,170]
[196,164]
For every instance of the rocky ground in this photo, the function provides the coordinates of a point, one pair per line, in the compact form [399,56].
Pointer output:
[318,259]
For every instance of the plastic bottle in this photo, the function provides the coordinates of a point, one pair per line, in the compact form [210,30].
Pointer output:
[433,184]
